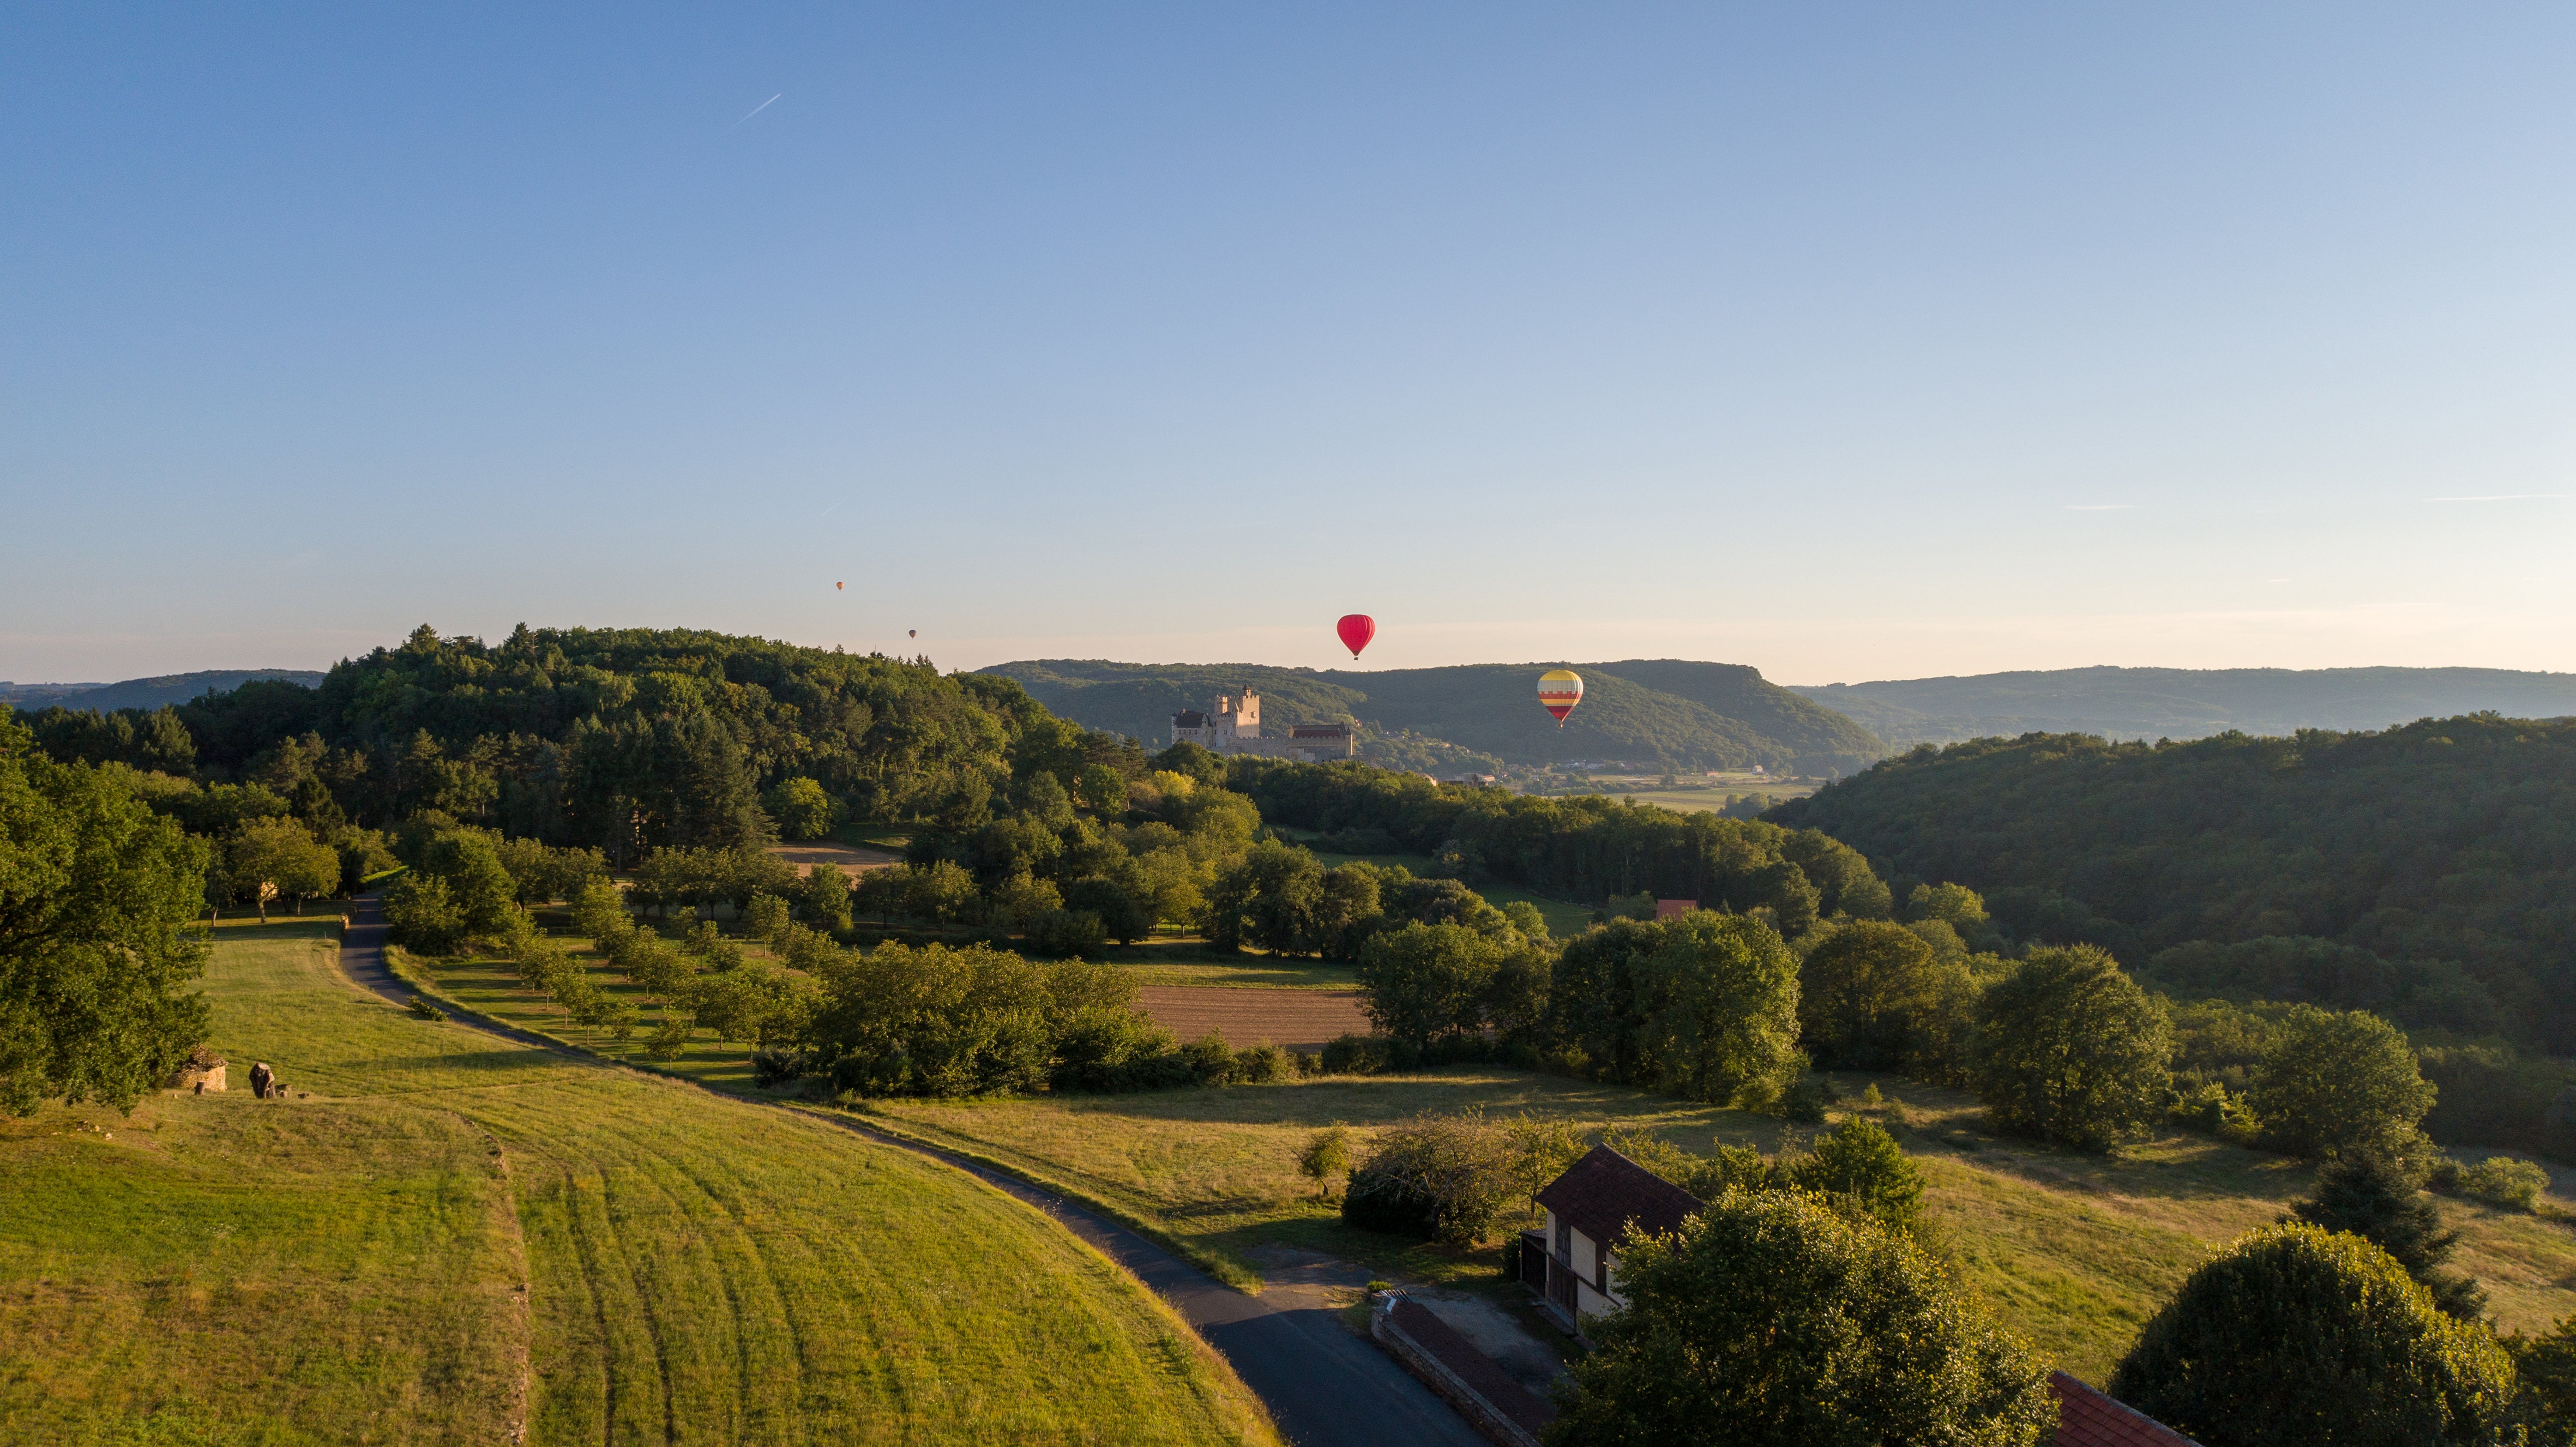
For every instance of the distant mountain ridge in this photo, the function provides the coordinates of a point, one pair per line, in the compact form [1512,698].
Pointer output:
[2185,703]
[144,692]
[1654,713]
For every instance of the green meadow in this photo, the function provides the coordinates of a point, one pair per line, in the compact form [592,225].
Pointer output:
[444,1237]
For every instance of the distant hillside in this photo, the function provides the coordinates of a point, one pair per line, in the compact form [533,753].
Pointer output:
[144,692]
[2186,703]
[2424,871]
[1661,713]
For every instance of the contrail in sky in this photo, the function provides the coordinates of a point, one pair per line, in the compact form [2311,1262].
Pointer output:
[2501,497]
[764,105]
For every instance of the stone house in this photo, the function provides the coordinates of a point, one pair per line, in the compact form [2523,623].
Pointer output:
[1233,726]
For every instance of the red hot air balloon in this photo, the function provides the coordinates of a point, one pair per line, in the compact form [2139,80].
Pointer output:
[1356,630]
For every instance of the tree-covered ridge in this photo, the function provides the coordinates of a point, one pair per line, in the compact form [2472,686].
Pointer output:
[620,739]
[1584,847]
[2427,870]
[2186,703]
[1667,713]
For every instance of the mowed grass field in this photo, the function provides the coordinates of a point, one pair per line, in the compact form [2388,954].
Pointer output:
[2075,1252]
[451,1234]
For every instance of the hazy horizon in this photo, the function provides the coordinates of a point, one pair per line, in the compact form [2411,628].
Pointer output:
[1865,345]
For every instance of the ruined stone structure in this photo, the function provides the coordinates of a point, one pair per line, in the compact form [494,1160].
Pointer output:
[1234,727]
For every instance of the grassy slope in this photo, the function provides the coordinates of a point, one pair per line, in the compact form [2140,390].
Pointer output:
[2074,1251]
[350,1267]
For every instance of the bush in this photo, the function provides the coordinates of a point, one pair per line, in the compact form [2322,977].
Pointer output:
[1210,1059]
[1860,1162]
[1804,1104]
[1327,1155]
[1434,1177]
[1770,1320]
[420,915]
[2294,1336]
[1110,1047]
[1354,1055]
[1261,1064]
[2504,1182]
[420,1006]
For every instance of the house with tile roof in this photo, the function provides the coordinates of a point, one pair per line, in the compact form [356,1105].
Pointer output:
[2087,1418]
[1573,1261]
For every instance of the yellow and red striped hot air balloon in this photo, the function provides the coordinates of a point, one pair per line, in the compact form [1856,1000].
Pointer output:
[1559,690]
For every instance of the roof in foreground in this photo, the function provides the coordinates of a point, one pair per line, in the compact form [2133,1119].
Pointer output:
[1602,1193]
[2087,1418]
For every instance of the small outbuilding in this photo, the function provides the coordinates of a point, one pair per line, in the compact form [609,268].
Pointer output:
[1674,908]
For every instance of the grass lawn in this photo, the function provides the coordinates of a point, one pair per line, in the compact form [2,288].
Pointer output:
[453,1232]
[2074,1251]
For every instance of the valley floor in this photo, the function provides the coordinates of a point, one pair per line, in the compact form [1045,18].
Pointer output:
[442,1235]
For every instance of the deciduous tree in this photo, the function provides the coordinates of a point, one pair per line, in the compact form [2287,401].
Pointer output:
[2294,1336]
[94,969]
[1769,1320]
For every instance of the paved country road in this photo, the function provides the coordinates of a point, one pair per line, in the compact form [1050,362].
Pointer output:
[1324,1386]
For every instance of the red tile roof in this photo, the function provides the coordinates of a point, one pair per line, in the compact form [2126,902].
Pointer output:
[2086,1418]
[1603,1192]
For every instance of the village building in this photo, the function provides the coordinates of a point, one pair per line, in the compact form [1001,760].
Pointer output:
[1599,1199]
[1573,1264]
[1233,726]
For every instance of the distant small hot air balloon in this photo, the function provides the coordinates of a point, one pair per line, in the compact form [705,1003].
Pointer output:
[1559,690]
[836,587]
[1356,630]
[912,633]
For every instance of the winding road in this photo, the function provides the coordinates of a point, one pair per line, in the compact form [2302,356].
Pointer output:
[1324,1386]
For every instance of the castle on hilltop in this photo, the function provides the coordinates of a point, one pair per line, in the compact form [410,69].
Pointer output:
[1234,727]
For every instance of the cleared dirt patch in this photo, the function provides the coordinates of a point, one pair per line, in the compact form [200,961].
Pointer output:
[1299,1019]
[851,858]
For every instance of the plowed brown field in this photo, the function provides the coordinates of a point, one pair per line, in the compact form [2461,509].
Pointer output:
[1299,1019]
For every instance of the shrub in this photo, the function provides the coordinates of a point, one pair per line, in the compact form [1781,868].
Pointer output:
[1768,1319]
[1354,1055]
[1436,1177]
[1327,1155]
[1804,1104]
[1210,1059]
[2503,1181]
[1261,1064]
[2070,1050]
[420,1006]
[420,915]
[2337,1080]
[2294,1336]
[1860,1162]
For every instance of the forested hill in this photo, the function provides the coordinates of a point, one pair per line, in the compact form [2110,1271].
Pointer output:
[144,692]
[622,739]
[2427,871]
[2186,703]
[1663,713]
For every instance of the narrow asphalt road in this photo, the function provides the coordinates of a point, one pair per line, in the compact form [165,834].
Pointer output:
[1324,1386]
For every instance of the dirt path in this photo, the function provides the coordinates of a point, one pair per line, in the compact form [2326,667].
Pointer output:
[1298,1019]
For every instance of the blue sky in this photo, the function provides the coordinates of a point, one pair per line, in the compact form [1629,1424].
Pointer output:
[1847,341]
